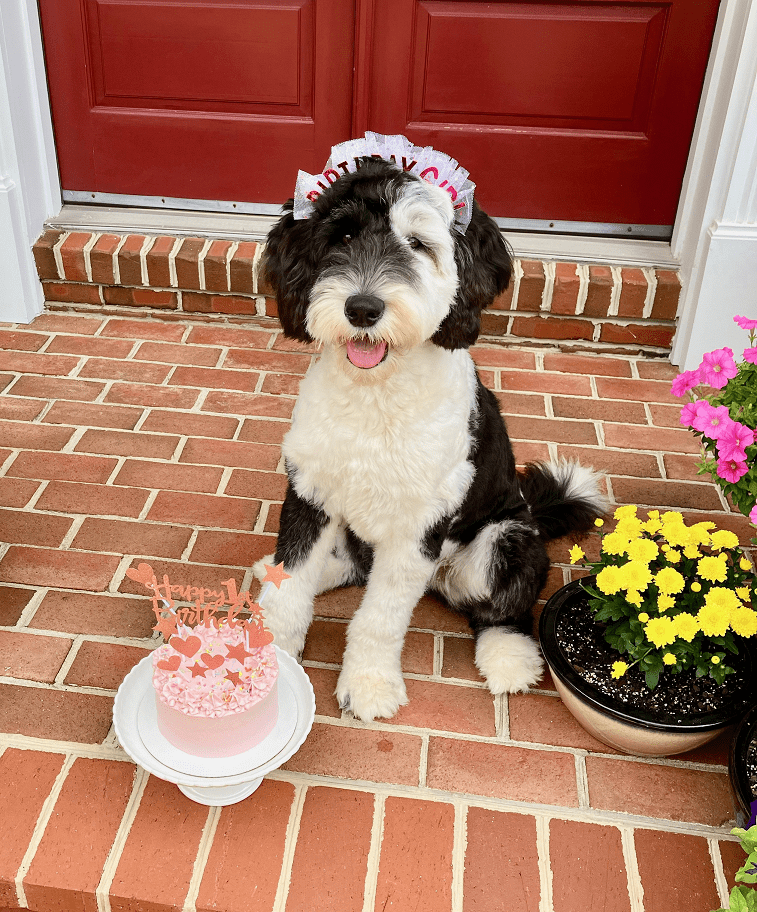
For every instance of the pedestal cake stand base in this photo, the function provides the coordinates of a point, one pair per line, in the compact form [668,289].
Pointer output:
[212,781]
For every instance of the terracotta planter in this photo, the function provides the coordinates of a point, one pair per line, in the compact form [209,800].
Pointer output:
[633,731]
[745,733]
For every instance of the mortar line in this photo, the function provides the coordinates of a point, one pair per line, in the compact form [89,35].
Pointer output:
[102,893]
[290,844]
[720,879]
[203,852]
[545,867]
[39,829]
[633,877]
[459,847]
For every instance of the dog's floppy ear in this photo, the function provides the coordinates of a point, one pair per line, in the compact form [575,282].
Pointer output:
[484,265]
[288,268]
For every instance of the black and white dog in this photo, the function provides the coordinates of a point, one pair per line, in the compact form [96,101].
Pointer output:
[401,473]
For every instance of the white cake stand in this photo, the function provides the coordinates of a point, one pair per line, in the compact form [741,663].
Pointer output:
[213,781]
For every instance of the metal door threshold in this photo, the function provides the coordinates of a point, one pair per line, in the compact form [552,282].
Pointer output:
[556,240]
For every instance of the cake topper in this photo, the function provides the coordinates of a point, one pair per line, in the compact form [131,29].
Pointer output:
[425,162]
[209,607]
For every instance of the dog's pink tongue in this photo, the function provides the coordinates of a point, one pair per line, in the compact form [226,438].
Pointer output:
[364,353]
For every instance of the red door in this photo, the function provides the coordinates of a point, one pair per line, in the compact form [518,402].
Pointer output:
[197,99]
[580,111]
[577,110]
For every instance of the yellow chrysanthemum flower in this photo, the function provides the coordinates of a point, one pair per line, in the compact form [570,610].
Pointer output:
[676,534]
[700,532]
[619,669]
[614,543]
[669,658]
[685,626]
[745,563]
[692,551]
[634,598]
[744,621]
[672,516]
[643,617]
[660,631]
[713,620]
[664,602]
[669,581]
[653,514]
[696,587]
[744,594]
[674,556]
[627,510]
[608,580]
[712,569]
[635,576]
[643,550]
[720,597]
[715,660]
[631,528]
[724,538]
[576,554]
[599,522]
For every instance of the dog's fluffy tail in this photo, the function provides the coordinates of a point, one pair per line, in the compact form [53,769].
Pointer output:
[564,497]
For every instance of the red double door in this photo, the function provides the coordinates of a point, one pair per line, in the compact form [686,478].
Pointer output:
[579,110]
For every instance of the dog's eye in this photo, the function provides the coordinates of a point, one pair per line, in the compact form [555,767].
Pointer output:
[346,239]
[415,244]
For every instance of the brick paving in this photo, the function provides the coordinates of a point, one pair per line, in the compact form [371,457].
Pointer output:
[125,439]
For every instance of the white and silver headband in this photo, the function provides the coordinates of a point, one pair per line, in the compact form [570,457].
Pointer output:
[425,162]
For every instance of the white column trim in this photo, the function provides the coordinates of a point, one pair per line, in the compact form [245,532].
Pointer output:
[715,237]
[29,185]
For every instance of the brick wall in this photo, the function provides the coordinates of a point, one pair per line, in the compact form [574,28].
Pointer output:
[574,306]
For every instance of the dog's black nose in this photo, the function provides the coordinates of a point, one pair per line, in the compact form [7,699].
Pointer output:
[363,309]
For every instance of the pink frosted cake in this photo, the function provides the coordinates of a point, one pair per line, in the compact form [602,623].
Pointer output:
[215,697]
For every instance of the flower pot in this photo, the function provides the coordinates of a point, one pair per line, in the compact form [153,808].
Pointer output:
[626,728]
[744,736]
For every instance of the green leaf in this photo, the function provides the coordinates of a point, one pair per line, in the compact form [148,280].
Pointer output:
[743,899]
[652,677]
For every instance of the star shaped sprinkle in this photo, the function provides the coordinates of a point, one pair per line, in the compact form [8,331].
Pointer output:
[233,676]
[276,575]
[238,652]
[167,626]
[198,670]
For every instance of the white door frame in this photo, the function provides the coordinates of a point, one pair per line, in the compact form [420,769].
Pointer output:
[715,234]
[29,184]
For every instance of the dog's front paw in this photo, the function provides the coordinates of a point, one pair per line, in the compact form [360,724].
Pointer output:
[510,661]
[369,694]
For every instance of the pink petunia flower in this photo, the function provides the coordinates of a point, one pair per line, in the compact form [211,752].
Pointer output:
[685,381]
[711,421]
[753,515]
[731,469]
[733,441]
[688,413]
[750,355]
[745,322]
[718,367]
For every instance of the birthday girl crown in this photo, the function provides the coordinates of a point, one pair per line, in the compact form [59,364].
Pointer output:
[425,162]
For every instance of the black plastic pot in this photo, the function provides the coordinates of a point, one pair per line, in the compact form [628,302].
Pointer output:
[623,727]
[745,734]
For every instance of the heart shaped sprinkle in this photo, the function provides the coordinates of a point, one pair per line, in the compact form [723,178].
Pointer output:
[186,647]
[171,664]
[259,636]
[212,661]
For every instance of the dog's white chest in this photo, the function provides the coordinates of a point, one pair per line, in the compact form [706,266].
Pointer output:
[387,459]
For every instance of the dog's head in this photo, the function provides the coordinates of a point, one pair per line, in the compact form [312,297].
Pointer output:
[378,269]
